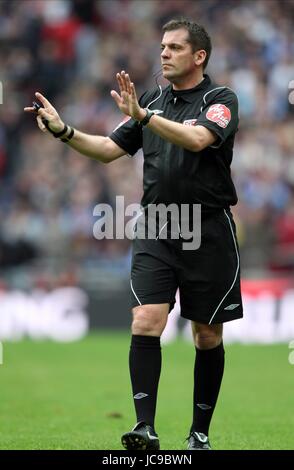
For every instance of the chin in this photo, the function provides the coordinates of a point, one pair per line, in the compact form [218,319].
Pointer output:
[168,75]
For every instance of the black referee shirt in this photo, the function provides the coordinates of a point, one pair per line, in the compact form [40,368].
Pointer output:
[173,174]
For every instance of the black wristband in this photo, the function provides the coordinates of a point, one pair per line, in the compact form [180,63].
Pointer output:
[70,135]
[147,118]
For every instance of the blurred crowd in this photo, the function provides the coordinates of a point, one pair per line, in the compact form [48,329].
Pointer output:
[70,50]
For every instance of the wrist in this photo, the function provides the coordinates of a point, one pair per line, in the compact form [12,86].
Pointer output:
[65,133]
[142,114]
[68,135]
[60,127]
[148,113]
[56,130]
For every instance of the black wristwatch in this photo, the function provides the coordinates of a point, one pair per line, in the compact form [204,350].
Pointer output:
[147,118]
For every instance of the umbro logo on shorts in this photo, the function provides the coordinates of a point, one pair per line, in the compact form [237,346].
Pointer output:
[140,395]
[231,307]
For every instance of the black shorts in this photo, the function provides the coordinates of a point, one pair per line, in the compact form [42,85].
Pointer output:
[208,278]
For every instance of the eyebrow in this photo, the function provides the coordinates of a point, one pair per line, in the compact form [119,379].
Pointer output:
[172,44]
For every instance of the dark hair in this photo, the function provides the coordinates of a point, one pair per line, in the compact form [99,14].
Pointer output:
[198,36]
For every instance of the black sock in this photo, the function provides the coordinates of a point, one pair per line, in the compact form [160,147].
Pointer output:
[145,367]
[208,373]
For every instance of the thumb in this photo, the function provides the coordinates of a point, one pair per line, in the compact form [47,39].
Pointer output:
[116,97]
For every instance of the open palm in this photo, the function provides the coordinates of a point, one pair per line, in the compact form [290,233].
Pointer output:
[127,99]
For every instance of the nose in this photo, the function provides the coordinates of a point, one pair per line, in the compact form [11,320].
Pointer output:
[164,53]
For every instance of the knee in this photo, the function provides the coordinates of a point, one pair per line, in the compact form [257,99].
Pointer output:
[206,341]
[206,337]
[147,321]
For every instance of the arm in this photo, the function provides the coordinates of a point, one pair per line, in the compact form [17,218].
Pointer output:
[100,148]
[193,138]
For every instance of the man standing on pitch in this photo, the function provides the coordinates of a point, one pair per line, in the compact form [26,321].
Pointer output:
[187,134]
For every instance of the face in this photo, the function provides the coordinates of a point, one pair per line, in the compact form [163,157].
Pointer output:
[177,59]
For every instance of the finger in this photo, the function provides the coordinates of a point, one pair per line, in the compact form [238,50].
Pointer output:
[43,100]
[133,92]
[44,114]
[117,98]
[124,81]
[120,82]
[128,83]
[29,109]
[41,124]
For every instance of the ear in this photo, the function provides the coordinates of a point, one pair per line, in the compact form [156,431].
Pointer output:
[199,57]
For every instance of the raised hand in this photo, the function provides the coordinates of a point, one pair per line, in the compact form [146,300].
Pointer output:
[48,112]
[127,99]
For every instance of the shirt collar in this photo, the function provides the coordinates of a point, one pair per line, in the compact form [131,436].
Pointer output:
[188,95]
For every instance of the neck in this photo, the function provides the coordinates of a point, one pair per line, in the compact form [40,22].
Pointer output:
[187,83]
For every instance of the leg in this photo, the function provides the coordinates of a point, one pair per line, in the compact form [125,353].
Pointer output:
[207,336]
[153,289]
[149,320]
[208,372]
[210,295]
[145,357]
[145,366]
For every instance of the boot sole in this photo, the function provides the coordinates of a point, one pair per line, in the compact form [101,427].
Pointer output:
[135,441]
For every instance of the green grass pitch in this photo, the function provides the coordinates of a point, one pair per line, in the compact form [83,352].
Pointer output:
[78,396]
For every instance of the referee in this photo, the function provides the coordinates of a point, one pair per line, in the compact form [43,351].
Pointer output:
[187,133]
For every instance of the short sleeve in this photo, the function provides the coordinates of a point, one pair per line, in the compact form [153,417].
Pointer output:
[128,134]
[220,115]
